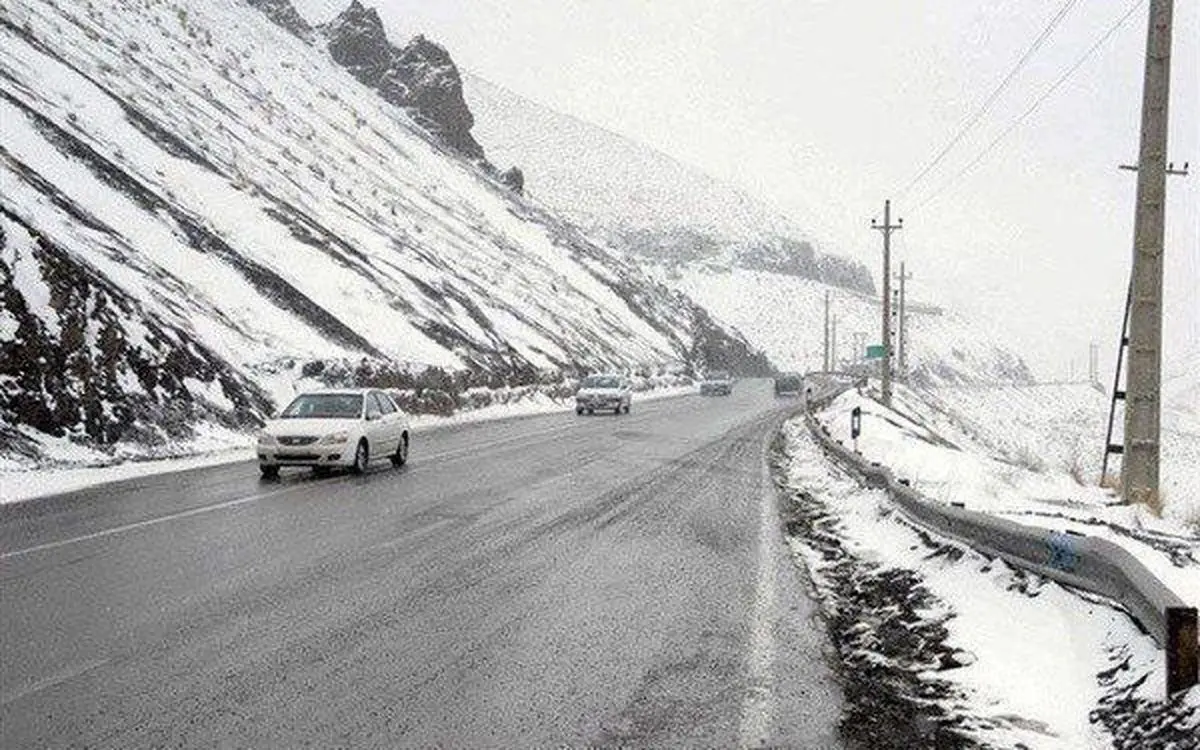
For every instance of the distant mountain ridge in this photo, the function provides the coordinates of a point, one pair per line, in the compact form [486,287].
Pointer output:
[751,267]
[642,201]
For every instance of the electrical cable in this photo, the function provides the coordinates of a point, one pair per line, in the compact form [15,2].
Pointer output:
[987,104]
[1034,107]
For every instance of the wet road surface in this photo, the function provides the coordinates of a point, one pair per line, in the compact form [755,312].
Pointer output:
[542,581]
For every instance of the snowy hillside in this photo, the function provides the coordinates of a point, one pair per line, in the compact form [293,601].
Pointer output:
[784,316]
[642,200]
[1181,393]
[1059,430]
[197,203]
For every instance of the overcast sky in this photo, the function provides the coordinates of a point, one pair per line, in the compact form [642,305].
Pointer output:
[824,108]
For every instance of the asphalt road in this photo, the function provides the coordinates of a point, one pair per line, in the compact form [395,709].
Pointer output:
[544,581]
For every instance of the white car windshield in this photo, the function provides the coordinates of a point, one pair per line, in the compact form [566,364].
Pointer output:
[601,381]
[324,406]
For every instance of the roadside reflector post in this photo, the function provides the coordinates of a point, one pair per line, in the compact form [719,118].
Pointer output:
[1182,647]
[856,425]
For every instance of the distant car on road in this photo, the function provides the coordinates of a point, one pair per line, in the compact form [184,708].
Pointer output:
[716,383]
[789,384]
[344,428]
[603,392]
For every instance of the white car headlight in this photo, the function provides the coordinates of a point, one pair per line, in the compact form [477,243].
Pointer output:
[340,436]
[266,438]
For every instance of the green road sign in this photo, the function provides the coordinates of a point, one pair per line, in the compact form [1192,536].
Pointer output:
[876,351]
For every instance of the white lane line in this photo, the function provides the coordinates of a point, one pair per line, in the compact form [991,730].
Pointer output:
[55,679]
[468,451]
[411,536]
[473,450]
[461,452]
[758,707]
[146,523]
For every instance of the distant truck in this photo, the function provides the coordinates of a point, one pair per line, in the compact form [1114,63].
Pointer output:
[789,384]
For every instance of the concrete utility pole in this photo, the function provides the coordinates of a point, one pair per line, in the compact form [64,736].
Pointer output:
[1140,468]
[1094,364]
[833,365]
[825,360]
[887,227]
[902,338]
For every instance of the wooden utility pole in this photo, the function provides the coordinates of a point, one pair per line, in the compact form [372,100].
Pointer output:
[1143,402]
[902,338]
[887,227]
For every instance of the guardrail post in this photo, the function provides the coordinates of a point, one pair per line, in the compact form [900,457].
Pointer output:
[1182,647]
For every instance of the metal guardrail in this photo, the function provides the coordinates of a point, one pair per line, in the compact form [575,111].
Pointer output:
[1080,561]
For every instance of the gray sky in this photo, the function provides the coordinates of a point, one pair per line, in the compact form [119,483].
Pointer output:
[826,107]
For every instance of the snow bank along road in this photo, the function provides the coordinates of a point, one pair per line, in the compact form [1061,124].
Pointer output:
[543,581]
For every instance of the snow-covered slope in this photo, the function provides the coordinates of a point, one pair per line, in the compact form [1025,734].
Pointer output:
[196,202]
[1060,430]
[1181,393]
[784,316]
[639,199]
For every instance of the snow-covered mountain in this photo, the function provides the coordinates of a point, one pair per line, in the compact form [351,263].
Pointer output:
[198,201]
[785,317]
[641,200]
[751,267]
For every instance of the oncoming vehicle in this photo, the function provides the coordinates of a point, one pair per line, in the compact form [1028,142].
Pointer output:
[346,428]
[789,384]
[603,392]
[716,383]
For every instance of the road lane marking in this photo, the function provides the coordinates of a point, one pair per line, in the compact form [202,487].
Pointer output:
[57,678]
[758,707]
[148,522]
[412,535]
[472,450]
[468,451]
[572,425]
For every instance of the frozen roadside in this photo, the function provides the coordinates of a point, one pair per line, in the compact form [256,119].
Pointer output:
[949,464]
[82,468]
[941,646]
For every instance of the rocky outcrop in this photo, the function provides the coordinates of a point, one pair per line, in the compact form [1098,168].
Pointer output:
[81,359]
[283,13]
[514,179]
[419,77]
[772,254]
[790,257]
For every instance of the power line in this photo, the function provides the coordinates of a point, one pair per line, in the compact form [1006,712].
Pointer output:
[1036,105]
[979,113]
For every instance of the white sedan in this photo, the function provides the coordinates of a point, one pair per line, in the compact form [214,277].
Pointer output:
[603,392]
[346,428]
